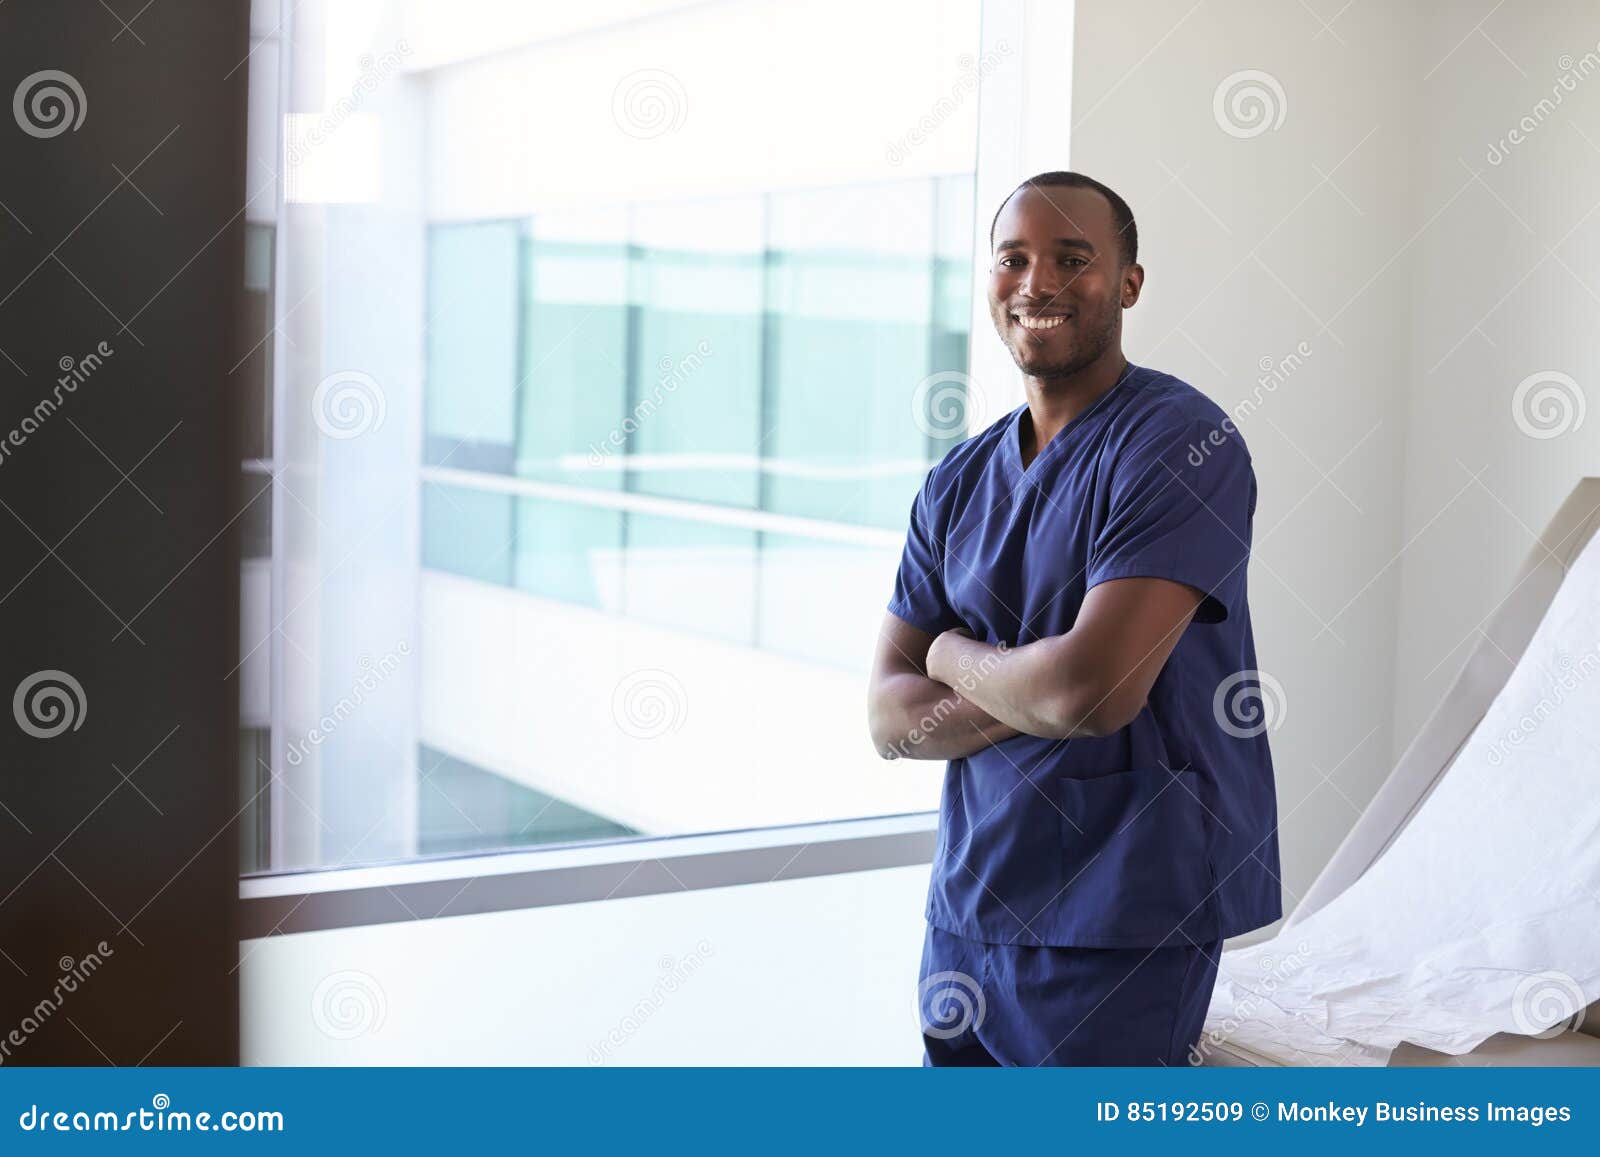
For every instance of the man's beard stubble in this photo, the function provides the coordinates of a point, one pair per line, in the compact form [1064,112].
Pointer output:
[1090,346]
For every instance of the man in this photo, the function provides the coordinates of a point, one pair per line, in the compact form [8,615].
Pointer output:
[1069,629]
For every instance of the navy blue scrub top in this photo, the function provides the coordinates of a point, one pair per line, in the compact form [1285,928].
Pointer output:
[1164,832]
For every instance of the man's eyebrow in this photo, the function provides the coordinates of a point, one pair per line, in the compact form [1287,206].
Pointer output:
[1060,243]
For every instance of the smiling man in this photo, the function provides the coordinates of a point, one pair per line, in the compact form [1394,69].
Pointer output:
[1069,629]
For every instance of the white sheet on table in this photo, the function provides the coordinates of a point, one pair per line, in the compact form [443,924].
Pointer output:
[1484,915]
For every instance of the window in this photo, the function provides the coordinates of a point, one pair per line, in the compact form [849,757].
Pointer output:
[582,485]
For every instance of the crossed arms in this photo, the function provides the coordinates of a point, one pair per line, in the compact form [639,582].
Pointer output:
[947,696]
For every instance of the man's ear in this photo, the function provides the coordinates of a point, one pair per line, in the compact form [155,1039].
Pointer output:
[1132,283]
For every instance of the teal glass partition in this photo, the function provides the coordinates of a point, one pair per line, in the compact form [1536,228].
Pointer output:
[472,344]
[574,335]
[768,354]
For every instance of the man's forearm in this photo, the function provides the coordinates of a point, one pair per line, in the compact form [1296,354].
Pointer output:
[1030,688]
[916,717]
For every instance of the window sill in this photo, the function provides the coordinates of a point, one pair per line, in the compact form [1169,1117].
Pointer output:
[315,901]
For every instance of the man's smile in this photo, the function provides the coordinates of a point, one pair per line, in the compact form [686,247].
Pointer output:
[1040,321]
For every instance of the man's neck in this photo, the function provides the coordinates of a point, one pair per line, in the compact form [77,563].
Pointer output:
[1054,402]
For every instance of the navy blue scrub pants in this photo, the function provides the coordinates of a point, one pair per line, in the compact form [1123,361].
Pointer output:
[1008,1004]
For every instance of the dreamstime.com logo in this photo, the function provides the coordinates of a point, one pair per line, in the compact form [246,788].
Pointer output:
[348,404]
[349,1004]
[373,673]
[74,372]
[1274,971]
[73,973]
[950,1003]
[1548,404]
[1249,103]
[1274,373]
[649,103]
[649,703]
[1547,1004]
[671,376]
[675,973]
[971,675]
[160,1117]
[49,103]
[945,405]
[1572,71]
[1573,672]
[48,703]
[970,73]
[1248,703]
[309,131]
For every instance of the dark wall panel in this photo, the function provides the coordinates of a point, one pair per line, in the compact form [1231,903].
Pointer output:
[121,248]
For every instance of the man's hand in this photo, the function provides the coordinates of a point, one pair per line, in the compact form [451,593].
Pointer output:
[944,655]
[912,715]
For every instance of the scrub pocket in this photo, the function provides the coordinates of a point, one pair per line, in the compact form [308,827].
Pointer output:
[1134,850]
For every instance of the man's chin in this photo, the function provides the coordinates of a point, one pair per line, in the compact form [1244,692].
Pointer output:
[1071,357]
[1054,367]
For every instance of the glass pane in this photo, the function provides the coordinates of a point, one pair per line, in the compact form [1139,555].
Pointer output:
[697,283]
[569,551]
[631,409]
[472,344]
[951,318]
[853,325]
[575,325]
[793,570]
[467,532]
[465,808]
[697,576]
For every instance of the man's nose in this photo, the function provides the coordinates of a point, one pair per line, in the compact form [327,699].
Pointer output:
[1040,282]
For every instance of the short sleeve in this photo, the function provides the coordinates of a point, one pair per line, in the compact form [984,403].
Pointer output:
[919,591]
[1182,498]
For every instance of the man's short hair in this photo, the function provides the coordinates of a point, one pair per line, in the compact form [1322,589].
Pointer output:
[1121,215]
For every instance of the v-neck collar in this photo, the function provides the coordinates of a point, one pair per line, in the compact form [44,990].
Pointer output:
[1013,452]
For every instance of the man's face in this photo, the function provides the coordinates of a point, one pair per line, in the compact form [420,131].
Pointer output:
[1058,287]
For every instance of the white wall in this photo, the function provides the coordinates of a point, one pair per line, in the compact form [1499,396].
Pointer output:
[1507,286]
[820,971]
[1398,494]
[1252,246]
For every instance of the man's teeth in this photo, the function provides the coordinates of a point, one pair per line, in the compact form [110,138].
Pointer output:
[1040,322]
